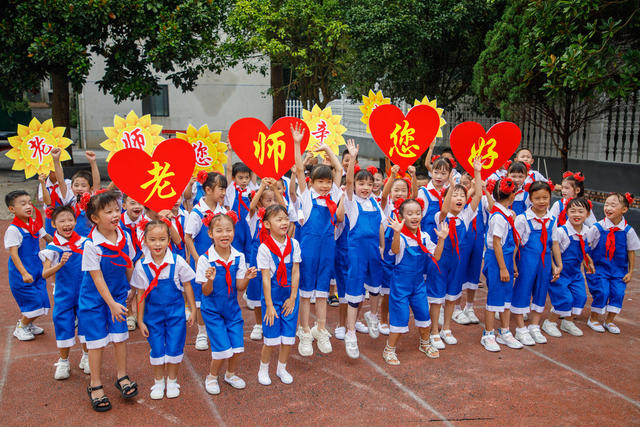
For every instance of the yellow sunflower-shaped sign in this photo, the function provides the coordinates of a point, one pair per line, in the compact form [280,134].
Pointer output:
[433,103]
[210,152]
[132,132]
[31,148]
[371,102]
[324,127]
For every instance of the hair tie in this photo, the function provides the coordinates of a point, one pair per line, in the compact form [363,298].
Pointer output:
[398,202]
[421,203]
[233,216]
[202,177]
[507,164]
[453,162]
[372,169]
[491,184]
[567,174]
[48,212]
[507,186]
[206,220]
[551,185]
[84,201]
[578,176]
[434,158]
[629,198]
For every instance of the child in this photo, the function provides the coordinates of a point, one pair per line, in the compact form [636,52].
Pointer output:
[129,221]
[412,248]
[49,193]
[222,272]
[161,277]
[197,240]
[524,155]
[178,222]
[63,259]
[432,194]
[279,262]
[377,183]
[536,228]
[499,266]
[340,267]
[447,153]
[319,204]
[237,200]
[27,285]
[572,187]
[613,244]
[103,293]
[517,172]
[568,294]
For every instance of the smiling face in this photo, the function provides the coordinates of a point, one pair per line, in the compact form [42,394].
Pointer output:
[377,182]
[133,208]
[412,215]
[221,232]
[518,178]
[214,196]
[242,179]
[614,209]
[577,215]
[80,185]
[278,224]
[363,188]
[399,190]
[107,220]
[21,207]
[64,224]
[458,200]
[524,156]
[568,190]
[540,200]
[156,237]
[322,186]
[268,198]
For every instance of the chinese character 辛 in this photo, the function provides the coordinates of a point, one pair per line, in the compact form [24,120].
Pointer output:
[402,140]
[159,174]
[202,154]
[39,150]
[321,132]
[133,139]
[273,146]
[484,150]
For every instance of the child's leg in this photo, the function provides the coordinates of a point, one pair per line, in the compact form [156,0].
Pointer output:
[120,349]
[321,312]
[518,319]
[352,316]
[172,370]
[471,296]
[284,353]
[384,309]
[488,320]
[95,364]
[504,319]
[434,313]
[257,314]
[199,320]
[342,320]
[448,312]
[374,301]
[233,364]
[265,355]
[158,372]
[214,370]
[305,308]
[27,320]
[64,352]
[392,341]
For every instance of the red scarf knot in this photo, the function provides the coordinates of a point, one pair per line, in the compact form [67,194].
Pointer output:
[154,282]
[241,202]
[118,249]
[281,271]
[509,219]
[71,243]
[331,205]
[227,268]
[438,195]
[543,236]
[33,226]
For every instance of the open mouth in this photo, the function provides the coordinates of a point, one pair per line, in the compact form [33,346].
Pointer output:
[459,205]
[136,211]
[224,241]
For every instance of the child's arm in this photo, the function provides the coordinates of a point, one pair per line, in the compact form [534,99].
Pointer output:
[55,154]
[353,151]
[340,211]
[335,163]
[298,134]
[191,300]
[118,311]
[497,249]
[26,277]
[447,200]
[253,206]
[477,185]
[266,291]
[414,181]
[381,240]
[490,201]
[229,168]
[397,228]
[95,172]
[290,303]
[442,234]
[143,328]
[187,194]
[241,284]
[46,197]
[386,190]
[632,261]
[47,238]
[293,197]
[427,159]
[557,256]
[191,247]
[48,271]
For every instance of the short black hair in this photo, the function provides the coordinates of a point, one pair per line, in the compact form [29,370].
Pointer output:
[321,172]
[539,185]
[404,204]
[579,202]
[447,150]
[239,167]
[214,179]
[157,223]
[442,163]
[518,167]
[273,210]
[10,198]
[83,174]
[60,209]
[99,202]
[363,175]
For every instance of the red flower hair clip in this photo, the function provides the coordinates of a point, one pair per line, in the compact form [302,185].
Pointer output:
[507,186]
[507,164]
[307,179]
[453,162]
[202,177]
[491,184]
[434,158]
[421,203]
[551,185]
[629,198]
[356,169]
[578,176]
[48,212]
[567,174]
[372,169]
[261,212]
[84,201]
[398,202]
[206,220]
[233,216]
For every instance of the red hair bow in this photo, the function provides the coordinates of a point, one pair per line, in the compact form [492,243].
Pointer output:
[48,212]
[507,164]
[206,220]
[307,179]
[507,186]
[567,174]
[356,169]
[434,158]
[261,212]
[84,201]
[372,169]
[551,185]
[527,165]
[202,177]
[398,202]
[491,184]
[453,162]
[629,198]
[420,202]
[233,216]
[578,176]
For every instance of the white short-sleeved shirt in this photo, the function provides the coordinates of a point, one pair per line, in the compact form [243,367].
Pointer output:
[54,256]
[230,195]
[92,253]
[427,197]
[593,235]
[407,241]
[523,195]
[351,208]
[50,185]
[498,226]
[500,173]
[183,272]
[193,223]
[466,215]
[306,199]
[13,237]
[534,175]
[206,261]
[556,211]
[565,236]
[265,260]
[523,228]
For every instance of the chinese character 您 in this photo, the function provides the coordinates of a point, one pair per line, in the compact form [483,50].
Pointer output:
[39,150]
[273,146]
[401,141]
[202,154]
[484,150]
[159,174]
[133,139]
[321,132]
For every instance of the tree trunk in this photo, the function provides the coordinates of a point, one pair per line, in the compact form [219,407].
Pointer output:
[566,132]
[279,98]
[60,107]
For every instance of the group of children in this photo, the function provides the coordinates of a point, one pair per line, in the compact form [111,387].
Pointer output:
[330,228]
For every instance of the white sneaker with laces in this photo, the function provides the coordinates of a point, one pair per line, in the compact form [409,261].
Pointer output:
[569,327]
[611,327]
[460,317]
[235,381]
[84,363]
[372,324]
[339,332]
[351,345]
[436,342]
[596,326]
[507,339]
[263,377]
[488,341]
[322,338]
[256,332]
[448,337]
[305,348]
[551,328]
[202,342]
[284,376]
[173,388]
[62,369]
[211,385]
[157,390]
[537,336]
[35,329]
[471,315]
[384,328]
[524,336]
[361,328]
[23,334]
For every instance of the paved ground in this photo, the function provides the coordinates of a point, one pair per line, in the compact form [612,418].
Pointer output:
[594,379]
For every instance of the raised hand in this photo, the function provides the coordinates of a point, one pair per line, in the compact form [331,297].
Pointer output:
[297,132]
[394,170]
[442,231]
[90,155]
[353,148]
[411,170]
[396,225]
[477,164]
[56,152]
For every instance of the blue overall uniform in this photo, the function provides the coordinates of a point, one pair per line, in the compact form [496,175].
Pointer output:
[568,294]
[283,330]
[241,238]
[254,289]
[57,201]
[365,264]
[531,285]
[180,250]
[441,278]
[499,292]
[606,285]
[428,223]
[388,263]
[469,275]
[520,206]
[83,225]
[133,236]
[341,262]
[199,194]
[32,298]
[202,242]
[318,244]
[409,289]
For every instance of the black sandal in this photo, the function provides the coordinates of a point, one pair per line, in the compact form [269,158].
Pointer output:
[99,404]
[128,390]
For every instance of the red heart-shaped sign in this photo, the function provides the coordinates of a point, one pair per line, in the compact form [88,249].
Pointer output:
[469,140]
[404,138]
[156,181]
[267,152]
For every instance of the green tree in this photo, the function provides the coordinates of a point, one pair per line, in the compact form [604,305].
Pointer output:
[138,40]
[566,60]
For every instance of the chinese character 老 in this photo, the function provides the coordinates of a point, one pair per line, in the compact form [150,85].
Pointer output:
[159,174]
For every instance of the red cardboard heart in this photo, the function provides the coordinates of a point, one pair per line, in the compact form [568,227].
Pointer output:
[267,152]
[404,138]
[469,140]
[156,181]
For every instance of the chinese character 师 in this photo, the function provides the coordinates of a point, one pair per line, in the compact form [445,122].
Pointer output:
[202,154]
[273,146]
[402,136]
[484,150]
[321,132]
[133,139]
[39,150]
[159,174]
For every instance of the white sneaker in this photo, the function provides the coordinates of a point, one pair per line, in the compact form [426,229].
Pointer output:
[488,341]
[537,336]
[211,385]
[256,332]
[351,345]
[131,323]
[62,369]
[304,346]
[23,334]
[361,328]
[372,324]
[322,338]
[524,336]
[569,327]
[596,326]
[173,388]
[263,377]
[84,363]
[339,332]
[507,339]
[383,328]
[284,376]
[611,327]
[35,329]
[157,390]
[235,381]
[551,328]
[448,337]
[460,317]
[436,342]
[202,342]
[471,315]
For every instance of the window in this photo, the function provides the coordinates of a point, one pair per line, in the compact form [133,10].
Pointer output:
[157,105]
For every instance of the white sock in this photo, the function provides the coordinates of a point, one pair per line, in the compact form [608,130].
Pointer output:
[281,366]
[469,305]
[264,367]
[160,381]
[172,380]
[351,334]
[202,329]
[63,360]
[456,307]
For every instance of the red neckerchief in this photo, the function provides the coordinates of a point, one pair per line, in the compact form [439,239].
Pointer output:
[263,233]
[562,218]
[543,236]
[405,231]
[71,243]
[331,205]
[453,235]
[584,252]
[118,249]
[154,282]
[241,202]
[204,214]
[610,245]
[134,235]
[509,219]
[227,268]
[281,271]
[77,210]
[176,222]
[33,226]
[435,193]
[55,199]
